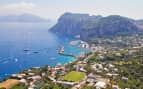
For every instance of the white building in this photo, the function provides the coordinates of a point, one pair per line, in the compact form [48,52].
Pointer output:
[100,85]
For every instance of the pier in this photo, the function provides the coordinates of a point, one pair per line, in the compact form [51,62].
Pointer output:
[61,52]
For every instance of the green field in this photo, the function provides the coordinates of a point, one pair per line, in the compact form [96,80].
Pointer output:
[74,76]
[19,86]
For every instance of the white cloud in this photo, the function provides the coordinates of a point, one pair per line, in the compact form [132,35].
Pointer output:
[31,8]
[21,5]
[17,8]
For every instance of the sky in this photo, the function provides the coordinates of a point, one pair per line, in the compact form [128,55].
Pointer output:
[52,9]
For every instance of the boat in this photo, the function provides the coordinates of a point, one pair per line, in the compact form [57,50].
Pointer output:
[26,50]
[35,52]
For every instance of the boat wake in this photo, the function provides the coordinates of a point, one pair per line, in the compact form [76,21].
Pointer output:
[16,59]
[5,62]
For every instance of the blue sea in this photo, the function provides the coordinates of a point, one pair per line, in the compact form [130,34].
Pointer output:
[41,46]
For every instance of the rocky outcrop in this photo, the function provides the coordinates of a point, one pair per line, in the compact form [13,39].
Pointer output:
[94,26]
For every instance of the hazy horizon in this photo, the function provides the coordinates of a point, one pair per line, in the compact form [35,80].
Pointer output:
[53,9]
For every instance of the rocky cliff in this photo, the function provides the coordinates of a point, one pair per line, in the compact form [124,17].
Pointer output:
[94,26]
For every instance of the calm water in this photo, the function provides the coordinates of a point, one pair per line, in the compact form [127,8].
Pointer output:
[15,37]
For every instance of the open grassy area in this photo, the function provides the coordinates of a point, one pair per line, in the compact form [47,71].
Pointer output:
[19,86]
[74,76]
[9,83]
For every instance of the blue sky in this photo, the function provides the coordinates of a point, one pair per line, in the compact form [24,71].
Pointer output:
[54,8]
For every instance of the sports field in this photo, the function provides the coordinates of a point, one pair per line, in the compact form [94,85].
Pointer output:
[74,76]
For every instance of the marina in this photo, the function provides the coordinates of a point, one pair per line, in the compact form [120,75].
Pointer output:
[61,52]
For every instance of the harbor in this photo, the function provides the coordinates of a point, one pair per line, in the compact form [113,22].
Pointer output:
[61,52]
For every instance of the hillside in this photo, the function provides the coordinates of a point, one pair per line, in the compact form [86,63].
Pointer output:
[139,23]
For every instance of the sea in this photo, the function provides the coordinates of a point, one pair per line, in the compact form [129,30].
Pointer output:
[27,45]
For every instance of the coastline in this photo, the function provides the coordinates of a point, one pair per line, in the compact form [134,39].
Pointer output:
[74,59]
[58,64]
[85,68]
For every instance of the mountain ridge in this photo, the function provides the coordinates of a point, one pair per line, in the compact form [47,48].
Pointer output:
[22,18]
[95,26]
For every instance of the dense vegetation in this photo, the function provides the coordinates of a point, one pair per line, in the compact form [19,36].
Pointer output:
[20,86]
[130,67]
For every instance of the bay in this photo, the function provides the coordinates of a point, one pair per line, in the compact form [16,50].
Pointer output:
[26,45]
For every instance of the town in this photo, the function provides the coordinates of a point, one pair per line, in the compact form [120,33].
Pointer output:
[111,64]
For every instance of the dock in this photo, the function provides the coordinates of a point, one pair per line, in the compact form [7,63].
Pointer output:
[61,52]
